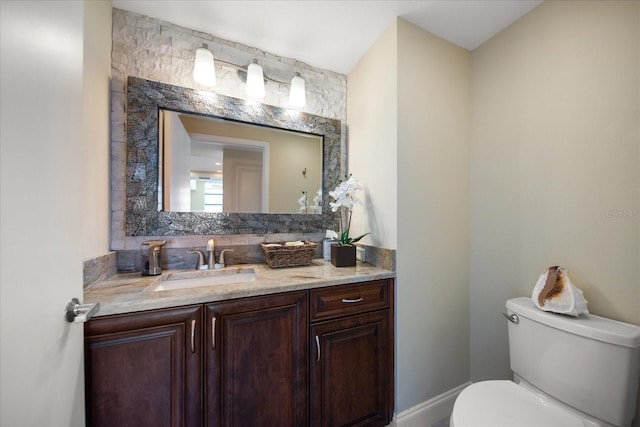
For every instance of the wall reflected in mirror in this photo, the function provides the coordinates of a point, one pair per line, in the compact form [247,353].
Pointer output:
[210,164]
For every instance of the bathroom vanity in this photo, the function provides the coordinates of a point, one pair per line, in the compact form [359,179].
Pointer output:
[298,346]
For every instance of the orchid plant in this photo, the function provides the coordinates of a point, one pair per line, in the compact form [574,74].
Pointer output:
[345,199]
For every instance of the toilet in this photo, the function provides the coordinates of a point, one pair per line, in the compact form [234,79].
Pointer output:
[568,371]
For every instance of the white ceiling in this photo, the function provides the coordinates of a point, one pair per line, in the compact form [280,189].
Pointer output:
[333,34]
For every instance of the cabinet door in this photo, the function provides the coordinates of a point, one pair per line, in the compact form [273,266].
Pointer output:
[256,362]
[144,369]
[351,371]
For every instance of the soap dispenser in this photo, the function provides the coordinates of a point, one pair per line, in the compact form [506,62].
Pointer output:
[151,260]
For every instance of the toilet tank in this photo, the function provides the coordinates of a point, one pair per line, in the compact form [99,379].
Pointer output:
[590,362]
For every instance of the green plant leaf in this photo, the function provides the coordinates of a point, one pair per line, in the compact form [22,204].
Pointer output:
[345,240]
[357,239]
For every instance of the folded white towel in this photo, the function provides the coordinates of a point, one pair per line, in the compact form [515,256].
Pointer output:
[554,292]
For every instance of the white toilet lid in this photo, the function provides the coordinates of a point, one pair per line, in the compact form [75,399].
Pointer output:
[504,403]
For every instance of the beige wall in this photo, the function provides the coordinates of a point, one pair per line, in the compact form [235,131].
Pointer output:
[521,155]
[433,215]
[555,171]
[411,151]
[372,103]
[96,107]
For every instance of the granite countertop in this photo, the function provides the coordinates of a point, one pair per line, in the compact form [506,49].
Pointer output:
[129,293]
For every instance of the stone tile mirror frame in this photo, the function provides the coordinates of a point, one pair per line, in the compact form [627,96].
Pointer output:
[145,98]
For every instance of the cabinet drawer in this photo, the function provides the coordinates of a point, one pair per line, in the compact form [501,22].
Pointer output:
[343,300]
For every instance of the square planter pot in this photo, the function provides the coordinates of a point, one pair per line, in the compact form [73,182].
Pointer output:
[343,256]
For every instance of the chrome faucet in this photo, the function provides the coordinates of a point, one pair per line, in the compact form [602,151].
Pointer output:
[211,255]
[200,265]
[221,261]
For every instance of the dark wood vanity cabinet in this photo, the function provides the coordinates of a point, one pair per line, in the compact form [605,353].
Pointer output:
[322,357]
[144,369]
[256,361]
[351,348]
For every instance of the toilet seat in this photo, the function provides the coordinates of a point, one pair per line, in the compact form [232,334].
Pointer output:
[504,403]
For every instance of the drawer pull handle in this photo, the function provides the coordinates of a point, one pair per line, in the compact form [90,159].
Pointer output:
[317,349]
[193,336]
[213,333]
[348,301]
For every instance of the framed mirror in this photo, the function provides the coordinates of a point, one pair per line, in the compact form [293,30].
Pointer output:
[145,207]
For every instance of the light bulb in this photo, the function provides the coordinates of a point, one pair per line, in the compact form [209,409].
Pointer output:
[255,81]
[297,95]
[204,70]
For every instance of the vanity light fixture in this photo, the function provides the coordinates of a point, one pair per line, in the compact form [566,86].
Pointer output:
[204,70]
[204,73]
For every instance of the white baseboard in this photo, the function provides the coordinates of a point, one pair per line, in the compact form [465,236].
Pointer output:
[427,413]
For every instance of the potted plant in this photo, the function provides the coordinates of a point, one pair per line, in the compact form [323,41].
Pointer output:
[343,253]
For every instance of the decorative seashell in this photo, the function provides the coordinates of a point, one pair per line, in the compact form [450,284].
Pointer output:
[555,292]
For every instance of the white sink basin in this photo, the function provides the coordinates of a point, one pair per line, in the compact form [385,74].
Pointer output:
[196,279]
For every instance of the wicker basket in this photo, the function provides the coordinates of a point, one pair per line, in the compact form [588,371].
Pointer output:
[288,256]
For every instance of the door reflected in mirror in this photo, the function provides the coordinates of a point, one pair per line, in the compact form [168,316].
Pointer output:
[210,164]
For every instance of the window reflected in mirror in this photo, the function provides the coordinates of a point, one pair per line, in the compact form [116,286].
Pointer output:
[206,194]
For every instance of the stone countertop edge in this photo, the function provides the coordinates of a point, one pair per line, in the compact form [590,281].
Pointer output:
[127,293]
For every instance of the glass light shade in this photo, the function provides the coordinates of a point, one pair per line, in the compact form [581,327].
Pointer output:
[297,95]
[255,81]
[204,70]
